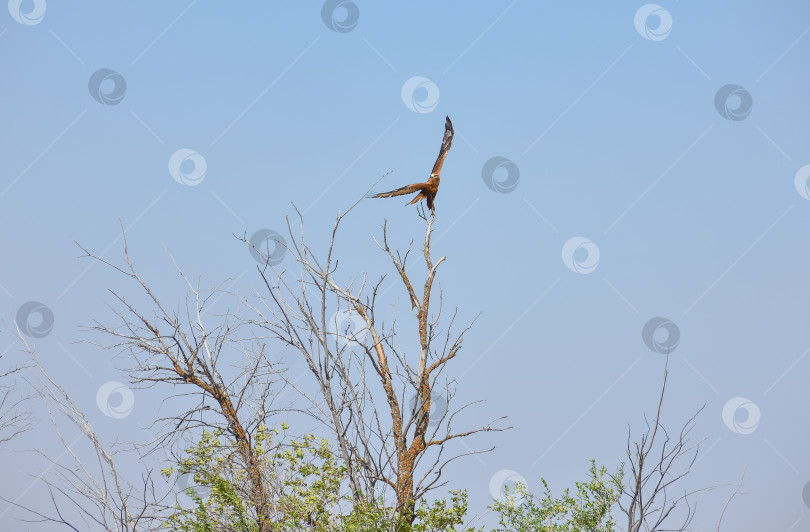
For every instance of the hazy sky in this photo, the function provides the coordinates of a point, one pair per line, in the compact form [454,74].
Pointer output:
[614,163]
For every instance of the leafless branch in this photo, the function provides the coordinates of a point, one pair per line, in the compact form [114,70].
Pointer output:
[658,461]
[97,492]
[737,490]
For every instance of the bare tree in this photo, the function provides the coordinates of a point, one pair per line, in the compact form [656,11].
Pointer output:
[658,461]
[364,376]
[222,366]
[94,488]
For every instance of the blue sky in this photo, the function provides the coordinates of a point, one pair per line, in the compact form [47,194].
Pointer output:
[612,133]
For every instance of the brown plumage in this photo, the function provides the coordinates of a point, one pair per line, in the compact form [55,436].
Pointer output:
[428,189]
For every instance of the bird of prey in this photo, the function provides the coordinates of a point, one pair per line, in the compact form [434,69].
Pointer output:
[428,189]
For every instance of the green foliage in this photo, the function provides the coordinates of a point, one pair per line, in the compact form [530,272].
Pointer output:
[312,489]
[438,516]
[303,480]
[586,511]
[435,516]
[207,462]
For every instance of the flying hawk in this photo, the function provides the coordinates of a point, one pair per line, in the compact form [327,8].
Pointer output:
[428,189]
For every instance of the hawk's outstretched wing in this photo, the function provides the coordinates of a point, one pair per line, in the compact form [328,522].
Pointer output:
[447,141]
[407,189]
